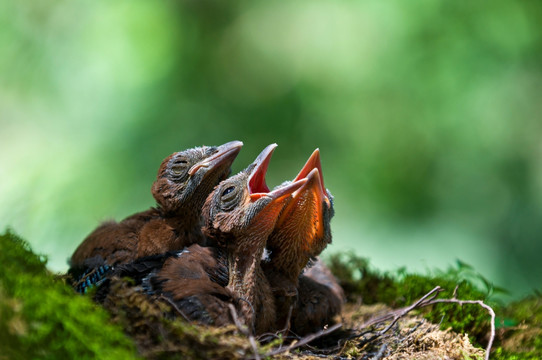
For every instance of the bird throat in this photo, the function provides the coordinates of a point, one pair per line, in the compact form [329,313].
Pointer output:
[245,273]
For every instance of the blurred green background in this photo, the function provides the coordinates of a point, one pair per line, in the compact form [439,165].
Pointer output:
[428,115]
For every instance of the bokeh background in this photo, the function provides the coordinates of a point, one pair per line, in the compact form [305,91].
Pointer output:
[428,115]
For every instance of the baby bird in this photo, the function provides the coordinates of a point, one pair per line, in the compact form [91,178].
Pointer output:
[239,215]
[183,182]
[302,232]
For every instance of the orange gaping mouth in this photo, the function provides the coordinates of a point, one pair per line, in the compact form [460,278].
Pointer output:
[305,211]
[256,181]
[257,187]
[314,163]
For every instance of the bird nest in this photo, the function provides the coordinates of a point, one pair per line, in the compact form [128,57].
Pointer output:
[361,332]
[42,317]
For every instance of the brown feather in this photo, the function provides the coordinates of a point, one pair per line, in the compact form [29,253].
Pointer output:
[180,192]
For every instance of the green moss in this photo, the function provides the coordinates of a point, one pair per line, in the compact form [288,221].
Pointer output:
[528,310]
[41,317]
[522,338]
[519,324]
[402,289]
[165,337]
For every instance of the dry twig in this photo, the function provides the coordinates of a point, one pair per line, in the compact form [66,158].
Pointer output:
[480,303]
[244,331]
[426,300]
[175,307]
[402,312]
[305,340]
[380,352]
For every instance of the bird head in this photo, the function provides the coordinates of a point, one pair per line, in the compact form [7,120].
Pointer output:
[304,224]
[185,178]
[242,209]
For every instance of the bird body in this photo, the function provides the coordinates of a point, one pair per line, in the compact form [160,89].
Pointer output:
[203,254]
[320,298]
[238,216]
[301,233]
[195,280]
[183,182]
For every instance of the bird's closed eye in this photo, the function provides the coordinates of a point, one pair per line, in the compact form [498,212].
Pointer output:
[178,169]
[179,166]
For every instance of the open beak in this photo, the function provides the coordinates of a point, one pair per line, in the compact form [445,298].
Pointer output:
[256,181]
[314,163]
[305,209]
[222,158]
[257,186]
[287,190]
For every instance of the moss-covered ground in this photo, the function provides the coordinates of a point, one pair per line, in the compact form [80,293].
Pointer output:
[42,317]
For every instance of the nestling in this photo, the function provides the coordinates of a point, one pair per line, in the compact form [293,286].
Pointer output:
[183,182]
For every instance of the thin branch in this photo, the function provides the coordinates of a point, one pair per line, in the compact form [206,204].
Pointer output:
[454,295]
[305,340]
[477,302]
[172,304]
[381,352]
[427,297]
[426,300]
[244,331]
[399,313]
[253,313]
[287,325]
